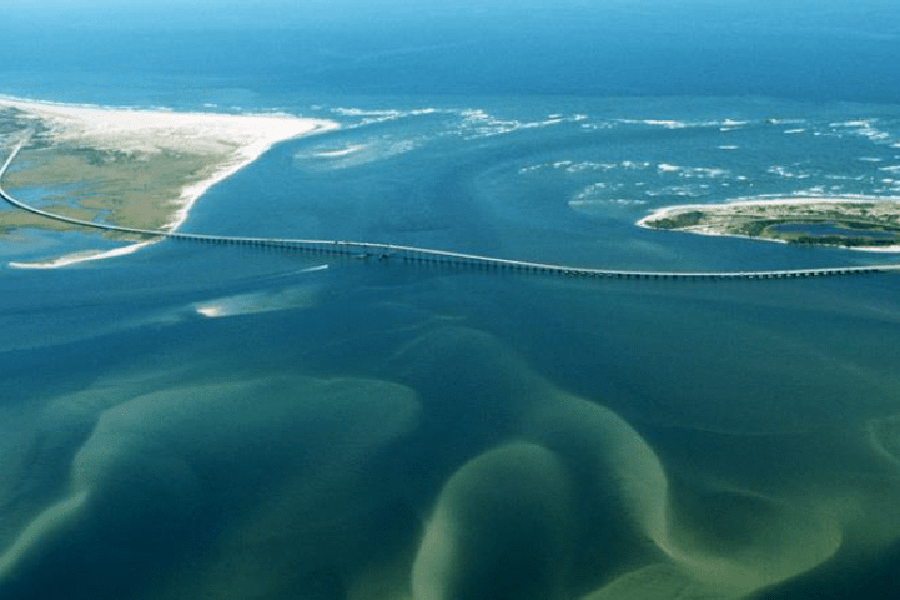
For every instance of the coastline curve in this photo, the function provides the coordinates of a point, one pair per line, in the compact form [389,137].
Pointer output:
[383,251]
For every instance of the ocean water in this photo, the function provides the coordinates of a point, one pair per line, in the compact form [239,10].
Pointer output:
[198,421]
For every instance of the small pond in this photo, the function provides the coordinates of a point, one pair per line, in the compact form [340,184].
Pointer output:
[821,229]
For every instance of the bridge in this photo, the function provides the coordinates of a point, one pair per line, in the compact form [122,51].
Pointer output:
[411,254]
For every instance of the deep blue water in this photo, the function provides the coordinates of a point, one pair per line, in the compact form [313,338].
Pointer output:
[248,423]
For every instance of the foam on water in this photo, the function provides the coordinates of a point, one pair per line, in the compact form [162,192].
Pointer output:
[467,459]
[259,302]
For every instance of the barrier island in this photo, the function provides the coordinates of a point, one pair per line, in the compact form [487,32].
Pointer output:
[868,223]
[142,169]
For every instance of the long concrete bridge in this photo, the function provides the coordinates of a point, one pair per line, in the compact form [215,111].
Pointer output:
[411,254]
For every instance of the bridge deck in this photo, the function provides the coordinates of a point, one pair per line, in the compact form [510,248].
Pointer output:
[431,256]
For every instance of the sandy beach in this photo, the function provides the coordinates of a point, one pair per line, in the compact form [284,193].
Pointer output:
[666,211]
[154,163]
[789,203]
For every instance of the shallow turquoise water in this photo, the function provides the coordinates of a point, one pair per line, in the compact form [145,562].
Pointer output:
[210,421]
[758,401]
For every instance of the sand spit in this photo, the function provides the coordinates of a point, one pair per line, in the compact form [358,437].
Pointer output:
[80,257]
[216,145]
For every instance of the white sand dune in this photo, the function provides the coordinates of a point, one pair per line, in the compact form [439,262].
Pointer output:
[132,130]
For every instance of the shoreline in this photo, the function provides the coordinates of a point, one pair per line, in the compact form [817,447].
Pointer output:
[80,257]
[228,142]
[780,201]
[191,193]
[666,211]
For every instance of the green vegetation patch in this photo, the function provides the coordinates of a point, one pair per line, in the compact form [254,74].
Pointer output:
[851,223]
[136,190]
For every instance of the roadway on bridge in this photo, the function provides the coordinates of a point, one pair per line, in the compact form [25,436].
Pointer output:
[432,256]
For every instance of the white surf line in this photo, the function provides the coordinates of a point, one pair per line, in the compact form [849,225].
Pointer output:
[412,253]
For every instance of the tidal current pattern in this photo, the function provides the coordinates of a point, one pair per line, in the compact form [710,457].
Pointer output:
[432,256]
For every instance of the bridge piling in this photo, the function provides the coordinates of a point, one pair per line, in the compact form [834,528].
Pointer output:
[437,257]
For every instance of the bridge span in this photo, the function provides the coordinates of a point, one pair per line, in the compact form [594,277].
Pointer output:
[411,254]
